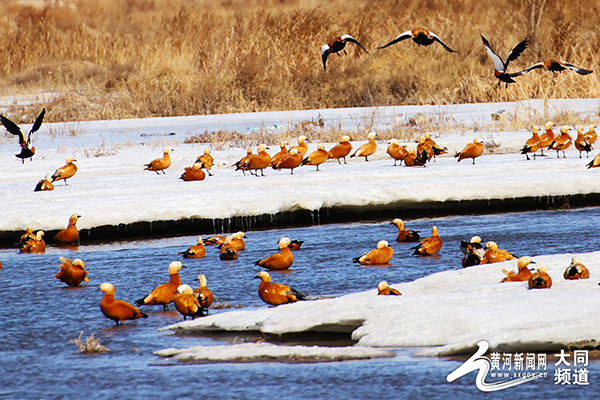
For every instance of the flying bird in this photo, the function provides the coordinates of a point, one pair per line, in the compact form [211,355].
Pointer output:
[501,66]
[335,46]
[557,66]
[420,36]
[26,151]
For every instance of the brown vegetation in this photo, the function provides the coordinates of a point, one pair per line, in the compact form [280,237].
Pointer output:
[110,59]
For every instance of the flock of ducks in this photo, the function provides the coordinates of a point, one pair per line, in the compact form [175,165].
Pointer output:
[424,37]
[196,302]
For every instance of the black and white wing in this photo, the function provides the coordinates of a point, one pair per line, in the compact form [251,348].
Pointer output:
[498,63]
[399,38]
[580,71]
[437,39]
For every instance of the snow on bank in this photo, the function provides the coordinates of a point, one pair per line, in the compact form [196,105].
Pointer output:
[114,189]
[447,311]
[255,352]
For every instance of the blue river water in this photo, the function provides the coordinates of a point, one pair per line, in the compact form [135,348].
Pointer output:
[40,315]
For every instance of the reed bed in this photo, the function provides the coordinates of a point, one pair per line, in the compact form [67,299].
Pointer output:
[111,59]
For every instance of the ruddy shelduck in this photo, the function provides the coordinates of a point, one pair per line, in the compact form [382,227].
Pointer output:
[44,184]
[540,279]
[281,260]
[432,148]
[413,159]
[11,127]
[242,164]
[558,66]
[28,235]
[532,145]
[471,150]
[366,149]
[335,46]
[340,150]
[70,234]
[258,161]
[576,270]
[383,289]
[562,142]
[522,274]
[493,254]
[547,137]
[206,161]
[293,160]
[66,171]
[302,147]
[117,310]
[227,253]
[380,256]
[581,144]
[195,251]
[206,294]
[500,67]
[193,173]
[595,163]
[214,240]
[283,152]
[276,293]
[430,245]
[187,303]
[34,245]
[396,151]
[165,293]
[295,244]
[473,251]
[235,241]
[591,136]
[421,37]
[317,157]
[160,164]
[72,273]
[403,234]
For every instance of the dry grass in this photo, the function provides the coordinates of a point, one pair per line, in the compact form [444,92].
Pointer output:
[91,345]
[110,59]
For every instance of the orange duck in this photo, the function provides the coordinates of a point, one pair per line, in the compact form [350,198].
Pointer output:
[293,160]
[243,163]
[214,240]
[70,234]
[66,171]
[72,273]
[413,159]
[405,235]
[258,161]
[471,150]
[279,261]
[235,241]
[493,254]
[160,164]
[35,245]
[522,274]
[420,36]
[366,149]
[11,127]
[317,157]
[381,255]
[562,142]
[558,66]
[500,66]
[45,184]
[194,173]
[165,293]
[432,148]
[335,46]
[540,279]
[581,144]
[547,137]
[28,235]
[195,251]
[341,150]
[532,144]
[204,292]
[117,310]
[595,163]
[206,161]
[576,270]
[430,245]
[227,253]
[302,147]
[276,293]
[384,290]
[591,136]
[397,152]
[281,154]
[187,303]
